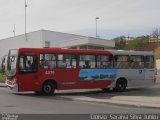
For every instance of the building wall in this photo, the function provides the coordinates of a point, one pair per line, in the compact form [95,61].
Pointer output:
[158,64]
[34,40]
[76,43]
[56,38]
[101,42]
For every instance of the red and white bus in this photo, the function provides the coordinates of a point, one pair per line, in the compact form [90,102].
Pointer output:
[44,70]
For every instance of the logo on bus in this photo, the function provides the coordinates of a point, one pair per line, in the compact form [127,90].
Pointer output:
[140,71]
[49,72]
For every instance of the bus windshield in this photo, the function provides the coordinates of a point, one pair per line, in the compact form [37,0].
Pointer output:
[11,63]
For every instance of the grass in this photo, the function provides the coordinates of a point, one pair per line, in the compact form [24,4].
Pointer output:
[2,77]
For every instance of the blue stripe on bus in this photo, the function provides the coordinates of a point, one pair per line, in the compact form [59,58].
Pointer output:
[97,74]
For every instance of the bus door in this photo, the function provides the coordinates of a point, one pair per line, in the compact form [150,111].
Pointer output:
[149,68]
[27,72]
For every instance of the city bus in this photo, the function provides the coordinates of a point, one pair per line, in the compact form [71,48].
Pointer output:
[44,70]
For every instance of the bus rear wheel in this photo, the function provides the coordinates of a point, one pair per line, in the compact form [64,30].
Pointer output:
[121,85]
[48,89]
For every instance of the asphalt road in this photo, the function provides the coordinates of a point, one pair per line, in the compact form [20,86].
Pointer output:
[30,103]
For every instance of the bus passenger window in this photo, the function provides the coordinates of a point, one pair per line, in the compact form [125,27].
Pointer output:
[104,61]
[122,61]
[87,61]
[137,61]
[67,61]
[86,64]
[47,61]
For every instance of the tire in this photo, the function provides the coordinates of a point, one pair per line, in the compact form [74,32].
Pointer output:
[121,85]
[48,89]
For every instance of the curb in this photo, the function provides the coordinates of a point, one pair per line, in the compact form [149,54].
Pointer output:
[110,102]
[119,104]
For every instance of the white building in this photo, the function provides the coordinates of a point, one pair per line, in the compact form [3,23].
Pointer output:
[45,38]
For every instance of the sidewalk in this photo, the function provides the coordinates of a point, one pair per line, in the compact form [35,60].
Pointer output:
[2,84]
[122,100]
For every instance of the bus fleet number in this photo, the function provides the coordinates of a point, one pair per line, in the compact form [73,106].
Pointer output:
[49,72]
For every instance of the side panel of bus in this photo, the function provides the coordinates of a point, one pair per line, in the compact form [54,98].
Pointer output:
[96,78]
[134,77]
[68,73]
[139,70]
[72,78]
[65,78]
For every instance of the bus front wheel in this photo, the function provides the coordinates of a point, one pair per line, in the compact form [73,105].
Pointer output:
[121,85]
[48,89]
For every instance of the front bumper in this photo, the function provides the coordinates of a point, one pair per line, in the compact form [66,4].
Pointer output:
[12,85]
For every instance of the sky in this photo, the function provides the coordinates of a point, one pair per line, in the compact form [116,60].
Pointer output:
[116,17]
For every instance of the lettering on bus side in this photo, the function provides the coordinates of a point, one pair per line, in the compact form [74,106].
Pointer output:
[49,72]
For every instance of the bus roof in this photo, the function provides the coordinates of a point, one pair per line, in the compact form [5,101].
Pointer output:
[131,52]
[62,50]
[80,51]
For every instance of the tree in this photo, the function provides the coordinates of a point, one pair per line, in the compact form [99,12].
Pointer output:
[119,42]
[137,42]
[156,33]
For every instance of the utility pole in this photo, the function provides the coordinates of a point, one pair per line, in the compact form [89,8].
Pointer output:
[14,30]
[96,26]
[25,22]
